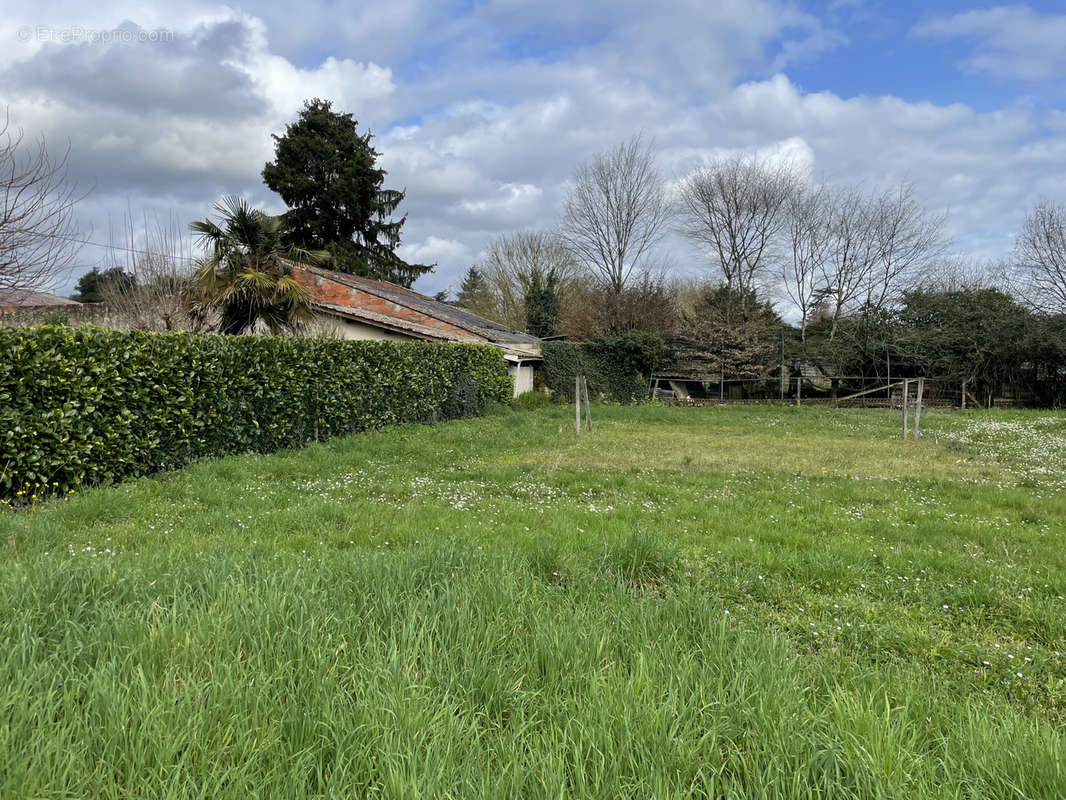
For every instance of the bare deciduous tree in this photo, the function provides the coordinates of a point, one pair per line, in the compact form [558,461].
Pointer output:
[807,242]
[878,245]
[849,253]
[907,240]
[645,304]
[161,267]
[512,264]
[956,273]
[735,210]
[616,213]
[38,231]
[1040,253]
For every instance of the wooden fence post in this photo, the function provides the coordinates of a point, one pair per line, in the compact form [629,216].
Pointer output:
[799,388]
[918,408]
[577,404]
[588,403]
[906,391]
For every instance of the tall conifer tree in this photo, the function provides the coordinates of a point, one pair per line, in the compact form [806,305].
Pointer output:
[327,174]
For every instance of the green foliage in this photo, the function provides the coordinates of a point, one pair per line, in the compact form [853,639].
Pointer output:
[543,303]
[531,401]
[855,344]
[475,294]
[977,335]
[641,559]
[245,280]
[616,367]
[728,331]
[810,607]
[974,335]
[94,284]
[55,318]
[327,174]
[1048,356]
[84,406]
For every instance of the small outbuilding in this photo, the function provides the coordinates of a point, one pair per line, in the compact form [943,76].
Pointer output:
[351,307]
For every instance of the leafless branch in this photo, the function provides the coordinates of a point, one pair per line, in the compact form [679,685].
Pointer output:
[735,210]
[1040,253]
[907,241]
[878,245]
[38,231]
[807,237]
[955,273]
[615,213]
[850,252]
[514,260]
[161,270]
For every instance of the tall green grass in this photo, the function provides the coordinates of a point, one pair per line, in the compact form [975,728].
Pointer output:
[495,609]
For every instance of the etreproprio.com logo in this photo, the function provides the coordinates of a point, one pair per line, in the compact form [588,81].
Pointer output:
[74,34]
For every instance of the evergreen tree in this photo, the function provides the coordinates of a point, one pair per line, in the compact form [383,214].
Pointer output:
[542,304]
[94,285]
[327,174]
[475,295]
[978,335]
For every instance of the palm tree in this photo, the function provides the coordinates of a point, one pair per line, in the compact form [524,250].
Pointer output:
[246,278]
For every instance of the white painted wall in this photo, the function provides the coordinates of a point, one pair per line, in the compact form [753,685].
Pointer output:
[350,329]
[523,377]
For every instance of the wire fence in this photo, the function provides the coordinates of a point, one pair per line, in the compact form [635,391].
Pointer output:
[843,391]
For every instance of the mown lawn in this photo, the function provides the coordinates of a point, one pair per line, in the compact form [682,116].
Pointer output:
[716,602]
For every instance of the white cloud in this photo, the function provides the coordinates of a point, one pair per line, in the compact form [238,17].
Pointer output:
[202,104]
[482,116]
[513,206]
[1010,41]
[433,250]
[351,85]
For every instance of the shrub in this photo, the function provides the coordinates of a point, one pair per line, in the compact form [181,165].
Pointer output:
[531,401]
[617,368]
[55,318]
[86,406]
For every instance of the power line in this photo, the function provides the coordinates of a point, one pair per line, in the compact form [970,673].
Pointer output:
[120,248]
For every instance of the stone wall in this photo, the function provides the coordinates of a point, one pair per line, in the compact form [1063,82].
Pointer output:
[81,314]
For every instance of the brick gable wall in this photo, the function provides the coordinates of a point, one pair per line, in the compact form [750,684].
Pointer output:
[325,290]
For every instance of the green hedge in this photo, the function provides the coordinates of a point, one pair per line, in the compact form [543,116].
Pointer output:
[616,368]
[85,406]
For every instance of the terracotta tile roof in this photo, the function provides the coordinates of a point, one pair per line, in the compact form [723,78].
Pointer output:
[380,320]
[478,328]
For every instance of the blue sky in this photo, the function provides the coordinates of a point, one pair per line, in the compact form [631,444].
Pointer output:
[883,56]
[483,110]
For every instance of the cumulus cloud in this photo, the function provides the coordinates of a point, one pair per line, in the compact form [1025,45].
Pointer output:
[433,250]
[483,115]
[1011,41]
[200,105]
[169,123]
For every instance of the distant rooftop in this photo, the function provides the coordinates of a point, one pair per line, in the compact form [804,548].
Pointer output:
[28,298]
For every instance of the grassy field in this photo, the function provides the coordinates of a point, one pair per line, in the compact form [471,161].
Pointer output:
[716,602]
